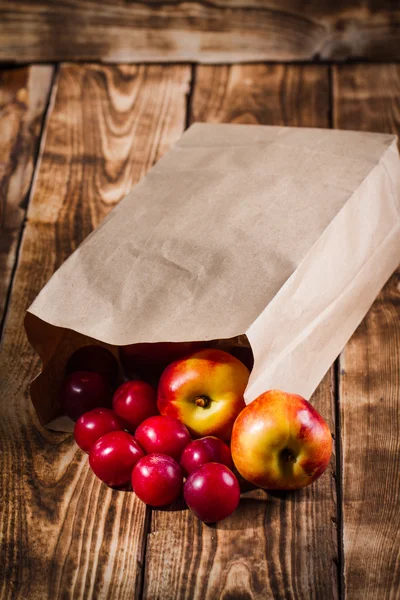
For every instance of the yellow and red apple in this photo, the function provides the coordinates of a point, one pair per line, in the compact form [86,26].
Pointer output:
[280,442]
[204,391]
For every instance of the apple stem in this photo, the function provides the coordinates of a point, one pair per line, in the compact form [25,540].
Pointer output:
[288,455]
[202,401]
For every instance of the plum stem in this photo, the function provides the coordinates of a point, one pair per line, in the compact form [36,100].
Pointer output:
[202,401]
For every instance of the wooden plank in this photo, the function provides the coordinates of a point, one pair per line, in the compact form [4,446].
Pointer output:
[63,533]
[24,94]
[262,94]
[367,97]
[216,31]
[282,546]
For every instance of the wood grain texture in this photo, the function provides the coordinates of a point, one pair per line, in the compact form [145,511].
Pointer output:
[368,98]
[64,534]
[272,546]
[262,94]
[205,31]
[24,94]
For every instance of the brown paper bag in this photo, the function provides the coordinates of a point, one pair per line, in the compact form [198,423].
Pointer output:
[283,234]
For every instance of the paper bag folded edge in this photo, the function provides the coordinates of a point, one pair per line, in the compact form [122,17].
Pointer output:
[282,365]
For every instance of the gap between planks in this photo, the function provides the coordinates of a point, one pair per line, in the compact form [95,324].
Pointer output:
[336,416]
[26,95]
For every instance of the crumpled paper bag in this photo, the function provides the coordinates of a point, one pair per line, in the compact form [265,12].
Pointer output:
[285,235]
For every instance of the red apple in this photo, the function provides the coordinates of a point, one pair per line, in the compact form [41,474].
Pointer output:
[96,359]
[113,457]
[157,479]
[212,492]
[135,401]
[163,435]
[92,425]
[204,391]
[280,442]
[82,391]
[205,450]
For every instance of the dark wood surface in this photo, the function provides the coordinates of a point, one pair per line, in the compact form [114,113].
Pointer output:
[23,99]
[65,535]
[199,31]
[367,97]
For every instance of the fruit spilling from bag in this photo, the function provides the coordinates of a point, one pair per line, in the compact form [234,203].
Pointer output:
[193,436]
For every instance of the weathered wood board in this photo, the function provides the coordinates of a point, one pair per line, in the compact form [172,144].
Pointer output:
[367,97]
[24,94]
[198,31]
[64,534]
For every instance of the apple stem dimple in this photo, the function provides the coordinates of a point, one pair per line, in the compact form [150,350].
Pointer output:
[202,401]
[288,455]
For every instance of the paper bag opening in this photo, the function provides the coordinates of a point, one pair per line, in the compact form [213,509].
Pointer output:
[55,346]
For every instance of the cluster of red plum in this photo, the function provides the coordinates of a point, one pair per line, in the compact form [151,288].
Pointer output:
[141,438]
[132,446]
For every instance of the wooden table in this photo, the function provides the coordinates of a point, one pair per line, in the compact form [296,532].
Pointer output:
[75,138]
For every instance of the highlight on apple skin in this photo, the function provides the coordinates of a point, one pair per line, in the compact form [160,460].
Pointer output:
[205,392]
[280,442]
